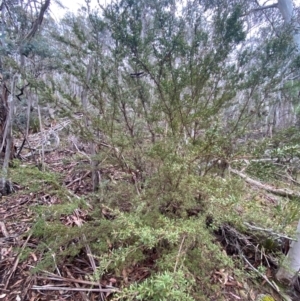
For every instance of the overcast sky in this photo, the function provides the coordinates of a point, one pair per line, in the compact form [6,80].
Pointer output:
[75,4]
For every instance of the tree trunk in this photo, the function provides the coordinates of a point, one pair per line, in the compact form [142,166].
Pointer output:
[7,145]
[92,145]
[286,9]
[291,264]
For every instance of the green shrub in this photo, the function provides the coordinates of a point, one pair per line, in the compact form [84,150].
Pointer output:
[175,286]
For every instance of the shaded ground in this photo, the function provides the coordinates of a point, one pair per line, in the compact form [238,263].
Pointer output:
[69,281]
[73,280]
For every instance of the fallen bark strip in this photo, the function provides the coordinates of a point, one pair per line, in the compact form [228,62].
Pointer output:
[277,191]
[3,230]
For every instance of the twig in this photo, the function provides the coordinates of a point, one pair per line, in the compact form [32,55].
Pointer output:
[53,256]
[289,178]
[93,264]
[41,129]
[74,289]
[21,147]
[78,179]
[56,267]
[272,284]
[82,153]
[235,296]
[83,294]
[179,252]
[16,262]
[59,278]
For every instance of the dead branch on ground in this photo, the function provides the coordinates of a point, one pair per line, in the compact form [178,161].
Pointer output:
[277,191]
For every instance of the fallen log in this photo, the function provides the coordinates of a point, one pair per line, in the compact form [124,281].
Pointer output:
[277,191]
[290,268]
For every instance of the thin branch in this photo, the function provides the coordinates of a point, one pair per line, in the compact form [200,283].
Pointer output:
[42,132]
[93,264]
[179,252]
[271,231]
[59,278]
[38,21]
[272,284]
[16,262]
[275,5]
[74,289]
[78,179]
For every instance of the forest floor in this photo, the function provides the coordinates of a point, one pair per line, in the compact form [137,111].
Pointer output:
[21,278]
[68,281]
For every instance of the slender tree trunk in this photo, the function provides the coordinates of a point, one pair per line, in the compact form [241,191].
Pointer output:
[291,264]
[92,145]
[287,9]
[7,114]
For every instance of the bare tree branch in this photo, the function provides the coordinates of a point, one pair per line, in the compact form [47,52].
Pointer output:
[260,8]
[38,21]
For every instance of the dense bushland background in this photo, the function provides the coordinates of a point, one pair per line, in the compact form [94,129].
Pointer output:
[159,141]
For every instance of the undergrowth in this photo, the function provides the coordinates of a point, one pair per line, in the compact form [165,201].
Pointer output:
[167,223]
